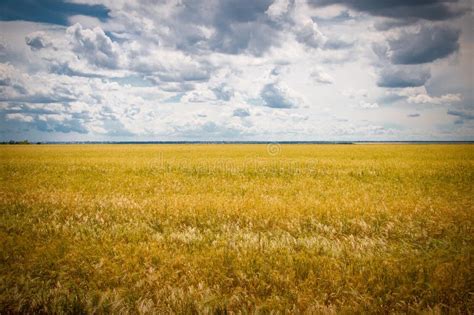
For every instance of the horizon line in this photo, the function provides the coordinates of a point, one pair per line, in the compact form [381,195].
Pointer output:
[243,142]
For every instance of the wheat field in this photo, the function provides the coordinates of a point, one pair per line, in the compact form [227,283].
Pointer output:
[159,229]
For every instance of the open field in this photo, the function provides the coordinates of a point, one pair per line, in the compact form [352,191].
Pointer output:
[215,228]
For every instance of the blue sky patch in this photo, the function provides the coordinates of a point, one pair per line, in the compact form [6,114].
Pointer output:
[48,11]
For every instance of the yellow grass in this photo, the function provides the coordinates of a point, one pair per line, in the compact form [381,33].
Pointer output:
[232,228]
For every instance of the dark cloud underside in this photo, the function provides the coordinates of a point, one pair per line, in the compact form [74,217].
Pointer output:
[434,10]
[427,45]
[401,77]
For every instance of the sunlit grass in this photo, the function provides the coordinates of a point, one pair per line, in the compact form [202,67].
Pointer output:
[215,228]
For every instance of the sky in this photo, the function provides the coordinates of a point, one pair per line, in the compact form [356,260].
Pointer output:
[236,70]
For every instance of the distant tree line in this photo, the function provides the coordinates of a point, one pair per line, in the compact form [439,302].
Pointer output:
[18,142]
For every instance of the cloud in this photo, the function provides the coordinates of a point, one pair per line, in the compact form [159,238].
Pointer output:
[320,76]
[85,21]
[305,29]
[38,40]
[427,99]
[241,112]
[46,121]
[335,43]
[367,105]
[174,86]
[243,11]
[433,10]
[166,67]
[115,128]
[19,117]
[277,9]
[403,76]
[332,14]
[353,93]
[462,115]
[254,38]
[390,23]
[192,73]
[277,95]
[18,87]
[223,92]
[95,46]
[310,34]
[199,96]
[230,27]
[420,95]
[426,45]
[60,123]
[202,129]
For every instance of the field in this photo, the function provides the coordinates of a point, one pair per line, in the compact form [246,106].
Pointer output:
[237,228]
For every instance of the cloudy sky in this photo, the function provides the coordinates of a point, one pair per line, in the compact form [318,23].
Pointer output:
[236,70]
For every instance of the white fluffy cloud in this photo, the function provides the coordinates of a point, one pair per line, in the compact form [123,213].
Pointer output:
[278,95]
[322,77]
[427,99]
[95,46]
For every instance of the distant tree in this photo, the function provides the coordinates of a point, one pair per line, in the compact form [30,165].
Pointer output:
[19,142]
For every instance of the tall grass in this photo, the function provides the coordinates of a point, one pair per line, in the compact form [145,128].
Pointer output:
[232,228]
